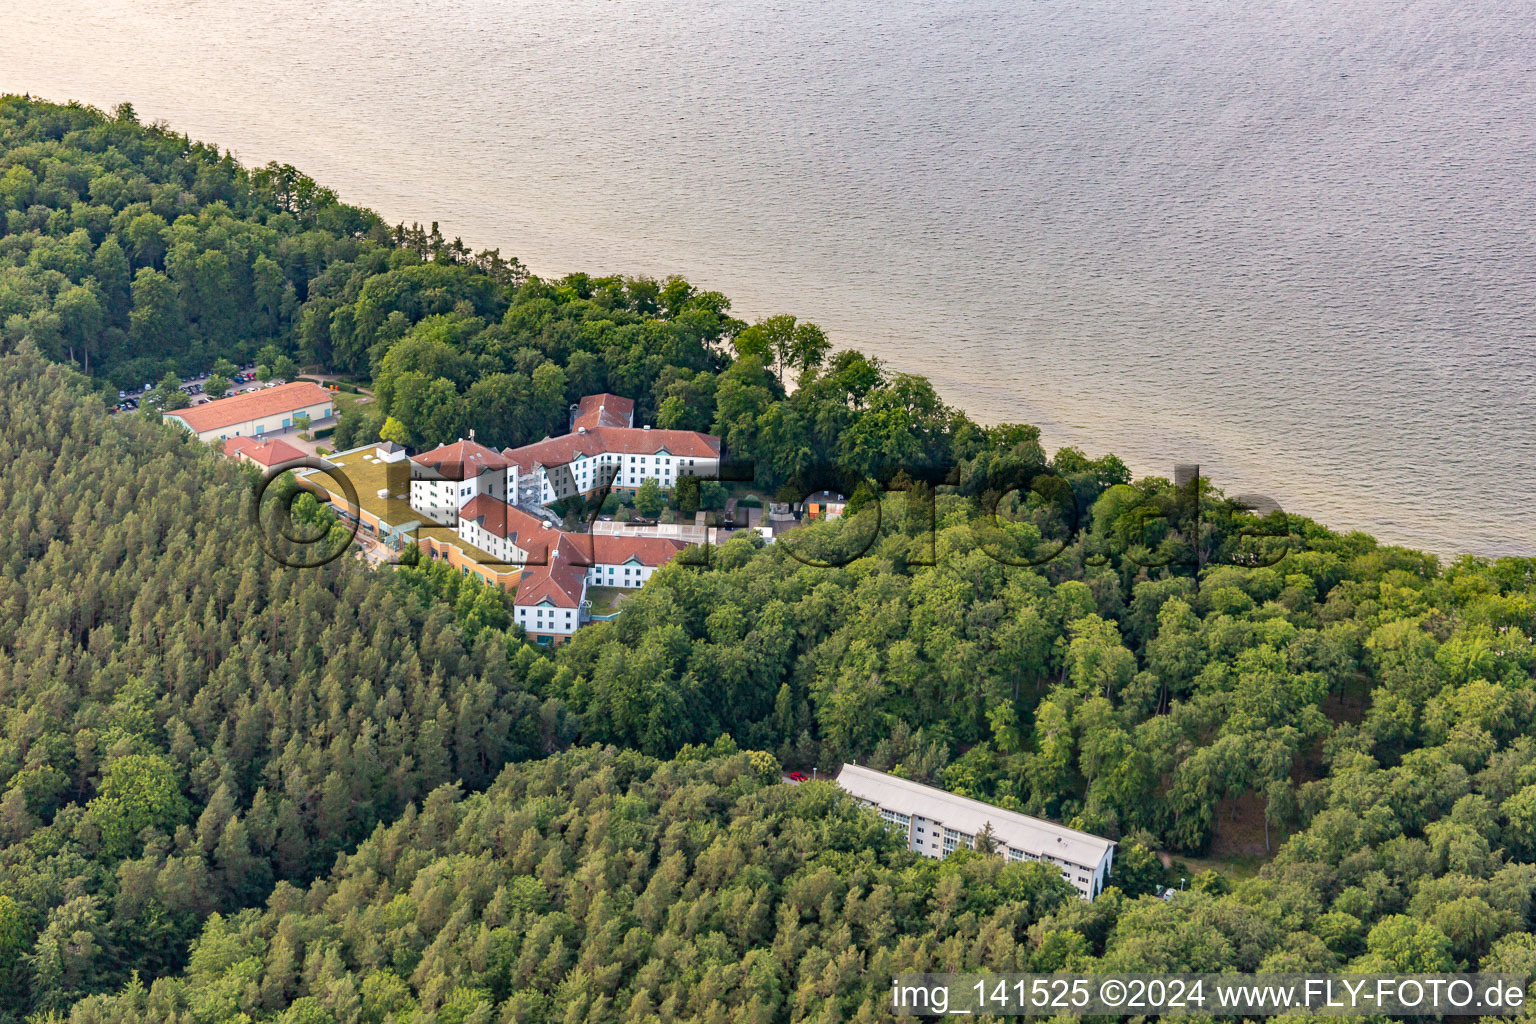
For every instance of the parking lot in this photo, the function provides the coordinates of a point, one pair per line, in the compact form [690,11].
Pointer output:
[193,387]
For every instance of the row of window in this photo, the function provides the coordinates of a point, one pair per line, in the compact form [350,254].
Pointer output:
[954,839]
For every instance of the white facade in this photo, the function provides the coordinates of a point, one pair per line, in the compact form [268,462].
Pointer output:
[262,425]
[502,548]
[936,823]
[548,617]
[629,573]
[268,411]
[440,499]
[584,474]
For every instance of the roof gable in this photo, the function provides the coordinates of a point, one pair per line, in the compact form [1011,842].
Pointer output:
[462,460]
[559,451]
[603,410]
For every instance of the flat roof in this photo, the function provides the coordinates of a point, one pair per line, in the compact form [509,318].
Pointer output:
[368,475]
[1020,831]
[448,535]
[253,405]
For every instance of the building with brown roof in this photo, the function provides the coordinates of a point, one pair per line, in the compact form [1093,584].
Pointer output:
[552,595]
[446,478]
[620,458]
[603,410]
[269,455]
[255,413]
[558,567]
[506,531]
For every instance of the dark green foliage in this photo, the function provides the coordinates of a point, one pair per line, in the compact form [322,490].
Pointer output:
[602,885]
[185,720]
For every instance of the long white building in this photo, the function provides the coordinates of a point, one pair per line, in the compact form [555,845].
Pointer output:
[269,410]
[619,457]
[605,449]
[937,823]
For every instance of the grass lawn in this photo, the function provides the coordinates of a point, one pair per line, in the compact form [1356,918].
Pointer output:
[1235,866]
[344,400]
[605,600]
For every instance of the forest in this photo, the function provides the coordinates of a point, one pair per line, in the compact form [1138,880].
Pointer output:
[236,791]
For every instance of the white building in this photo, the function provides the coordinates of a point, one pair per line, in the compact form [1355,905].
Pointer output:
[507,532]
[447,478]
[936,823]
[558,567]
[621,458]
[476,491]
[256,413]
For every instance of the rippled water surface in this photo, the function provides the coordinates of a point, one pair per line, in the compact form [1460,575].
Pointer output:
[1291,242]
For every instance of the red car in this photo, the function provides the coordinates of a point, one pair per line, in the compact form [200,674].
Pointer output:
[797,776]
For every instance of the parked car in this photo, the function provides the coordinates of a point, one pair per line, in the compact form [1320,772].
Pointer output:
[122,395]
[797,776]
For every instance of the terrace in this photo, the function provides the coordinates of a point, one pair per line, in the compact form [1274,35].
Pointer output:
[605,601]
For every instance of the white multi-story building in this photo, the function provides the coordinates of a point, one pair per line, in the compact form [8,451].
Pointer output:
[558,567]
[476,491]
[447,478]
[936,823]
[593,459]
[505,531]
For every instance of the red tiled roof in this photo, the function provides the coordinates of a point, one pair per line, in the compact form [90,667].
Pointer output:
[275,452]
[609,549]
[512,523]
[557,451]
[560,582]
[462,460]
[604,410]
[507,521]
[556,573]
[255,405]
